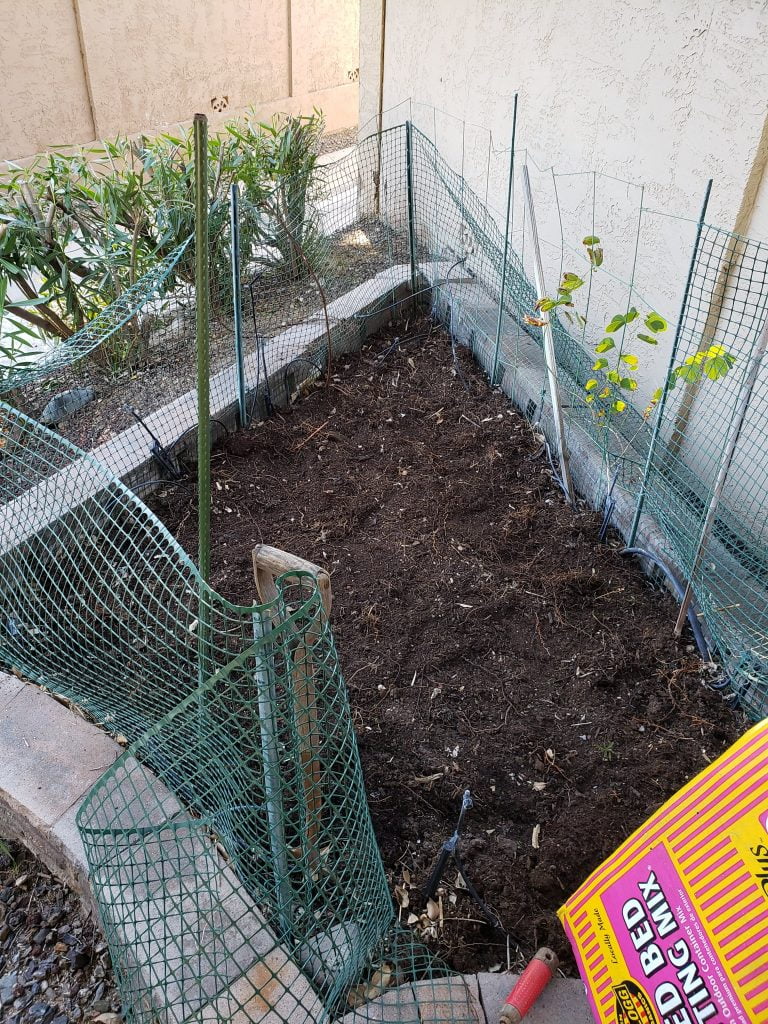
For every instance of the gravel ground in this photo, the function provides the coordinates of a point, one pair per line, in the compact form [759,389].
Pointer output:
[338,140]
[54,963]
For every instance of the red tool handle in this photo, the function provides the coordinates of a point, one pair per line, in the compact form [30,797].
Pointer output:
[529,986]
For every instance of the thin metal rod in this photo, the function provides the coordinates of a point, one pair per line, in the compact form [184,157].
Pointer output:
[411,207]
[507,230]
[725,464]
[202,308]
[549,346]
[667,380]
[380,112]
[237,299]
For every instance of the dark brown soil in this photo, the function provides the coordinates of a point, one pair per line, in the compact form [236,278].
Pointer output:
[488,640]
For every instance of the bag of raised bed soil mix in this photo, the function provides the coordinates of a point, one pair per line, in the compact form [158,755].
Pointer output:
[673,927]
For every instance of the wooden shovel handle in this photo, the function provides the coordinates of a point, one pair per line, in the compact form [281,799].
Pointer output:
[269,562]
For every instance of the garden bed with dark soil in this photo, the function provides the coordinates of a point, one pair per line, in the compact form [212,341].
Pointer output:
[487,639]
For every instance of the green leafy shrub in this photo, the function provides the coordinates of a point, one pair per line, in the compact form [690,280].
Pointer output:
[77,230]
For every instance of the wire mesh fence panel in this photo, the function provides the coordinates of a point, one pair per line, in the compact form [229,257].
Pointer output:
[232,854]
[460,246]
[321,248]
[707,430]
[97,601]
[316,258]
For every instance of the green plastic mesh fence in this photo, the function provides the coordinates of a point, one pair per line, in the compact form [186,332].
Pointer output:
[112,320]
[233,857]
[93,589]
[230,848]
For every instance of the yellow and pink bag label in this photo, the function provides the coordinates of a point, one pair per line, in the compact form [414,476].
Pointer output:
[673,927]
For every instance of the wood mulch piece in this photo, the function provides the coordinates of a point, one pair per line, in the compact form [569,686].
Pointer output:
[488,640]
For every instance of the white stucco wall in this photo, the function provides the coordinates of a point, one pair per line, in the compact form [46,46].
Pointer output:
[658,93]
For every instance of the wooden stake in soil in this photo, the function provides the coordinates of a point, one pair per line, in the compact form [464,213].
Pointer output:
[268,563]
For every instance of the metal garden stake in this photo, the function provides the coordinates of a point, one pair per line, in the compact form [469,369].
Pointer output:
[237,299]
[667,380]
[202,310]
[507,230]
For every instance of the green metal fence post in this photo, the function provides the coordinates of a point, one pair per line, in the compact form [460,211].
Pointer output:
[507,229]
[202,310]
[411,208]
[237,298]
[672,357]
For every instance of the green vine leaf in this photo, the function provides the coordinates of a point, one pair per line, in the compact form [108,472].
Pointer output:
[648,339]
[621,320]
[628,383]
[600,364]
[655,322]
[571,282]
[688,371]
[591,384]
[617,322]
[619,406]
[717,367]
[590,240]
[631,360]
[595,256]
[605,345]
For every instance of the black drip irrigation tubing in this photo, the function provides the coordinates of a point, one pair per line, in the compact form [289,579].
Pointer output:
[679,589]
[163,455]
[610,505]
[450,851]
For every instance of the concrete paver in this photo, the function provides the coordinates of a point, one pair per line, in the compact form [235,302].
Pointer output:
[449,999]
[564,1000]
[9,687]
[49,756]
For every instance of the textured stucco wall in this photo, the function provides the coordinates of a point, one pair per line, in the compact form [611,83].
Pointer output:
[74,70]
[44,93]
[657,93]
[668,92]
